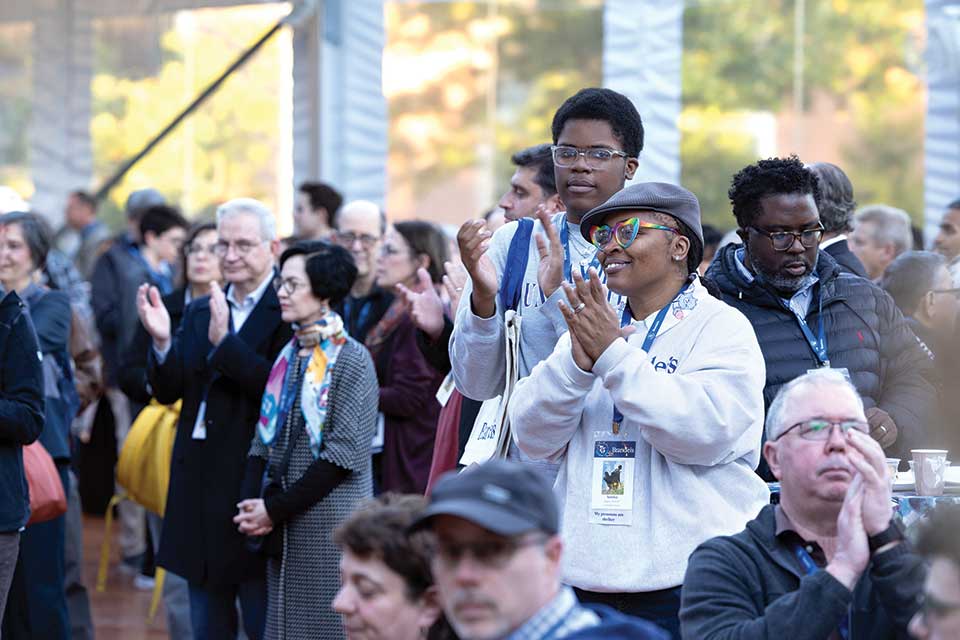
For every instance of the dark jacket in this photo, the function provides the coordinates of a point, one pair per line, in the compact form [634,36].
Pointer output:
[52,317]
[846,259]
[866,334]
[945,377]
[752,586]
[362,314]
[199,540]
[618,626]
[132,377]
[116,277]
[21,408]
[408,388]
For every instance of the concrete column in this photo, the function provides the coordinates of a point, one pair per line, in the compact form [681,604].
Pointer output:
[642,54]
[61,156]
[942,145]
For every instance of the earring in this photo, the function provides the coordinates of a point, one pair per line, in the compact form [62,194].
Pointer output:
[676,258]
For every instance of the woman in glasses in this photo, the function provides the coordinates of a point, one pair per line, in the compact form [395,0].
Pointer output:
[310,458]
[655,412]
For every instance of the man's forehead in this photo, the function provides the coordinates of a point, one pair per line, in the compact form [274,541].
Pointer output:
[809,401]
[359,218]
[798,206]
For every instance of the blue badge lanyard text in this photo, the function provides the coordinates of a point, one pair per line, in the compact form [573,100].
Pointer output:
[819,343]
[625,318]
[811,567]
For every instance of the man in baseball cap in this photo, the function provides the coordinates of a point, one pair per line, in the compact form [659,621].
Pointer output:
[655,413]
[497,560]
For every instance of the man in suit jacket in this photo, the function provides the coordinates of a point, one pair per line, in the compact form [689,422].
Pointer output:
[218,363]
[836,212]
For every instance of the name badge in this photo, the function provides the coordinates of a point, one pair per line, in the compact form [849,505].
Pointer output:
[841,370]
[446,390]
[612,484]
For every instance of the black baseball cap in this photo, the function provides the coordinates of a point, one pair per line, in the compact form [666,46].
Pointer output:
[504,497]
[662,197]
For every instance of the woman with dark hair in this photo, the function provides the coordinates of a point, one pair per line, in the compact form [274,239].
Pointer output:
[37,605]
[408,383]
[387,589]
[310,457]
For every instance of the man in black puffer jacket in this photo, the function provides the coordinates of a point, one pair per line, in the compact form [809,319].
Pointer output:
[808,314]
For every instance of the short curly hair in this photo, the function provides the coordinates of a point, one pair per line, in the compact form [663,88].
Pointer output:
[607,105]
[770,177]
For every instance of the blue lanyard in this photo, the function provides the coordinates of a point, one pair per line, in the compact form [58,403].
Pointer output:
[625,318]
[811,567]
[818,344]
[567,265]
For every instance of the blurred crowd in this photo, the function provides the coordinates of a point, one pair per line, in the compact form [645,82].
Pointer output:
[582,414]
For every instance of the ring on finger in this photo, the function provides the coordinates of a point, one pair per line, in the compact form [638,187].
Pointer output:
[580,307]
[883,430]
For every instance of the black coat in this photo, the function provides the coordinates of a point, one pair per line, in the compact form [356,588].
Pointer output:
[866,334]
[21,408]
[200,542]
[750,586]
[846,259]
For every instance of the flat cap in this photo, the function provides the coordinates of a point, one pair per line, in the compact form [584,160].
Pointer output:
[662,197]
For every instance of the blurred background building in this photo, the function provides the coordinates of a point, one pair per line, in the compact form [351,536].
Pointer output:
[419,104]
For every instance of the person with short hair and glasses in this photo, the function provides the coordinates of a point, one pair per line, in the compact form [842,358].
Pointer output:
[654,413]
[498,556]
[605,126]
[809,314]
[830,561]
[937,542]
[359,227]
[218,361]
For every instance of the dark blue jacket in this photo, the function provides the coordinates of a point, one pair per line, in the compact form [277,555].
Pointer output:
[866,334]
[618,626]
[751,586]
[21,408]
[51,315]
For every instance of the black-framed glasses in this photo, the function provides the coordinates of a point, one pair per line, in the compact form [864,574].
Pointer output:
[286,284]
[596,157]
[494,553]
[783,240]
[347,239]
[241,247]
[820,429]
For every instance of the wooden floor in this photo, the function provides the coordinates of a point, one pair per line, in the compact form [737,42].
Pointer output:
[120,612]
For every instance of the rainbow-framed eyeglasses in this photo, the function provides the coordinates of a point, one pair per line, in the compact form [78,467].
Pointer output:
[624,232]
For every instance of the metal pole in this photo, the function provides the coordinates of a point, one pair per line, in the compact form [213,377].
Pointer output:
[799,28]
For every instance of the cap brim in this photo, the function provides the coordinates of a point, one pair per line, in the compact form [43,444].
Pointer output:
[481,513]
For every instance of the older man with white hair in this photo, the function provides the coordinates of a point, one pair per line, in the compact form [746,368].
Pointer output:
[880,234]
[829,561]
[218,363]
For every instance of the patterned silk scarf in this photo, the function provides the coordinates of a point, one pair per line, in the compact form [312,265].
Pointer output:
[326,337]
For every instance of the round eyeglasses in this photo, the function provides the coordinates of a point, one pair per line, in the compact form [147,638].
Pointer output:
[624,232]
[595,157]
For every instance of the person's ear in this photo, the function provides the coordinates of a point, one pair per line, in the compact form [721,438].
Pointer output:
[554,550]
[430,608]
[149,238]
[679,248]
[275,249]
[927,303]
[423,261]
[553,204]
[630,168]
[772,454]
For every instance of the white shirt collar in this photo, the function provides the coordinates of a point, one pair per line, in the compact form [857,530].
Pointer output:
[827,243]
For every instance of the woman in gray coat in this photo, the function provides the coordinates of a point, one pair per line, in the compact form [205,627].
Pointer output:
[311,454]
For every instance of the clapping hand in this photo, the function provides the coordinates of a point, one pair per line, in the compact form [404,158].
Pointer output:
[592,321]
[865,454]
[550,270]
[853,552]
[219,315]
[154,316]
[453,283]
[473,239]
[425,305]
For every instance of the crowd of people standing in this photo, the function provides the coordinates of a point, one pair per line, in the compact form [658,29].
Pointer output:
[343,397]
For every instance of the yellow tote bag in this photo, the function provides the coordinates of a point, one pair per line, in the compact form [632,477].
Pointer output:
[143,469]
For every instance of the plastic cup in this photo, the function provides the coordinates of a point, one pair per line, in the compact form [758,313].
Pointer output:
[929,466]
[893,464]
